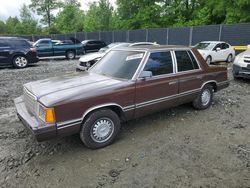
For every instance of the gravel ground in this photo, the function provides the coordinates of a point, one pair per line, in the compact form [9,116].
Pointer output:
[179,147]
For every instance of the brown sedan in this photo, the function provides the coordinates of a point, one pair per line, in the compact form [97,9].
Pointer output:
[125,84]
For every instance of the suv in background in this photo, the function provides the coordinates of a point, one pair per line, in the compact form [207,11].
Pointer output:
[93,45]
[17,52]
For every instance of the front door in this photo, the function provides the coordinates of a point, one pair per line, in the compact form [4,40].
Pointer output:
[158,91]
[45,49]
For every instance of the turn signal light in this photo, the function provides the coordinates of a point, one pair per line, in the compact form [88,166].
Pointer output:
[49,115]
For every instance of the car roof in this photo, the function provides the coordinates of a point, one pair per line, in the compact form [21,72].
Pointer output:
[12,38]
[155,47]
[212,42]
[89,40]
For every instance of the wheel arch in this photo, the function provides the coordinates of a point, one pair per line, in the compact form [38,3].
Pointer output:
[213,83]
[115,107]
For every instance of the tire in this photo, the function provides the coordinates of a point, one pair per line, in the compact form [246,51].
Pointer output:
[20,62]
[204,99]
[103,121]
[70,54]
[209,60]
[230,58]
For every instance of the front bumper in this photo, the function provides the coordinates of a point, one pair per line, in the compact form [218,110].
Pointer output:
[81,68]
[239,71]
[38,129]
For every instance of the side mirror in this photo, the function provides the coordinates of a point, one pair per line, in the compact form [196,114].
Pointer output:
[146,74]
[218,49]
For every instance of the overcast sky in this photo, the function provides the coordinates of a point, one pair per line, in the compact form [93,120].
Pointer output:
[11,7]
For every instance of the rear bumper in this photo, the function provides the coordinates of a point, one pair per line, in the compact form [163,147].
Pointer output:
[38,129]
[243,72]
[33,60]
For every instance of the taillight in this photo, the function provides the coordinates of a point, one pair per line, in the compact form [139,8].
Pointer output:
[33,49]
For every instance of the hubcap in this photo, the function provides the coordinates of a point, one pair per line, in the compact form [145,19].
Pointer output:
[205,97]
[70,55]
[230,58]
[102,130]
[208,60]
[21,61]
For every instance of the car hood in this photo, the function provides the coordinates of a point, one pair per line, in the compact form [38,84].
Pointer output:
[245,53]
[70,87]
[90,57]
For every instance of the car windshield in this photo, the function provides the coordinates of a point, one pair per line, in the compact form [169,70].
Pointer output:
[204,46]
[118,64]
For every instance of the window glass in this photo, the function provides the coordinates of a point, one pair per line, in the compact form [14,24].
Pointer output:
[159,63]
[44,43]
[184,63]
[217,46]
[118,64]
[21,44]
[224,46]
[195,63]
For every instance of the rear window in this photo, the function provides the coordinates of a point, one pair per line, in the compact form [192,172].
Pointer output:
[20,44]
[185,62]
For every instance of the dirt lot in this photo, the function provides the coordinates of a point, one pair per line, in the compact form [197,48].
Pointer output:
[179,147]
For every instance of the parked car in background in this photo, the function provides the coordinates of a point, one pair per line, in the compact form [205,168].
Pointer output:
[54,48]
[127,83]
[88,60]
[214,51]
[93,45]
[17,52]
[241,65]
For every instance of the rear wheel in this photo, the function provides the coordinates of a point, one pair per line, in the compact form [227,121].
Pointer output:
[230,58]
[100,128]
[204,99]
[20,62]
[70,55]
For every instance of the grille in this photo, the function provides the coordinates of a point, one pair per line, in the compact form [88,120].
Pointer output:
[30,101]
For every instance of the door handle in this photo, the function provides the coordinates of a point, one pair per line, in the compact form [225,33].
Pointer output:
[199,77]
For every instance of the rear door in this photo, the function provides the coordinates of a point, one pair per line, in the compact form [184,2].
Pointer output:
[218,55]
[159,91]
[4,53]
[225,51]
[190,75]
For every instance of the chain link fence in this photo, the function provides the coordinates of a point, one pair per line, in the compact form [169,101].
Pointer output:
[237,34]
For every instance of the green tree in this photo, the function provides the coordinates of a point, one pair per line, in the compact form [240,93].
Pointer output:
[139,14]
[99,16]
[11,25]
[2,27]
[70,19]
[45,9]
[28,24]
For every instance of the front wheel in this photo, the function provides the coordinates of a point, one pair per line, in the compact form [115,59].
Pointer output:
[100,128]
[20,62]
[204,99]
[70,55]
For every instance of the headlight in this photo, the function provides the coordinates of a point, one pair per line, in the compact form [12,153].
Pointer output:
[47,114]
